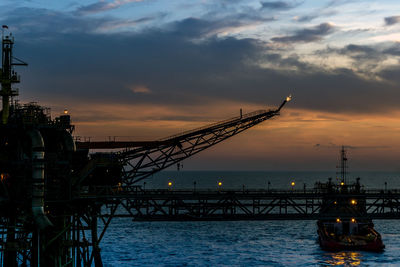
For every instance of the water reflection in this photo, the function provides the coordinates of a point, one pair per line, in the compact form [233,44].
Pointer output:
[344,258]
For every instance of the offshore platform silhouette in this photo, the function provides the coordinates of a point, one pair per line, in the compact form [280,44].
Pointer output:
[58,197]
[53,191]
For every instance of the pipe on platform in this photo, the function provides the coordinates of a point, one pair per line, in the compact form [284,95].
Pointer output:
[38,180]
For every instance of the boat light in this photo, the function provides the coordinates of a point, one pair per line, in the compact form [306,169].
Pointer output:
[288,98]
[335,202]
[338,220]
[293,183]
[219,183]
[353,220]
[353,202]
[65,111]
[342,183]
[169,183]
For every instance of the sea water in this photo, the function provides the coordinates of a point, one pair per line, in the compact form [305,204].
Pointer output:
[242,243]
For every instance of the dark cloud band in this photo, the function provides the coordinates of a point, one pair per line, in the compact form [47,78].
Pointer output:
[307,35]
[392,20]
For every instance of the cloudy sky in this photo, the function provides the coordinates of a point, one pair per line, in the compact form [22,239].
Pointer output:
[145,69]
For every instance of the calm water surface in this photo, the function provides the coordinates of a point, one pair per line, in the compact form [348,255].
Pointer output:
[241,243]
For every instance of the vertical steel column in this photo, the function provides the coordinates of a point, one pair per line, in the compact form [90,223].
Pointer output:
[95,242]
[35,249]
[10,252]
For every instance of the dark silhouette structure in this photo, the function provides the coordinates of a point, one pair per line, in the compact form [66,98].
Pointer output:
[56,198]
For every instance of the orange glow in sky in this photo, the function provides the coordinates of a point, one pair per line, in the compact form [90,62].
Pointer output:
[296,140]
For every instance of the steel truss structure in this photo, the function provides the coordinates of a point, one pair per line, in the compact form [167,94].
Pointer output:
[143,162]
[75,244]
[153,205]
[143,159]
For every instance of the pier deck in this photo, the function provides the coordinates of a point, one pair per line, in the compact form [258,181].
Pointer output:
[171,205]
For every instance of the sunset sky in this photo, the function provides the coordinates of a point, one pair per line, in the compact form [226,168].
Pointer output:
[144,69]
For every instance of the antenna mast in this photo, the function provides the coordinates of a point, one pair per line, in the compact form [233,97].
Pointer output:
[7,74]
[343,165]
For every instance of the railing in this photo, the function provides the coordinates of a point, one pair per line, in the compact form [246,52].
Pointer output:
[121,190]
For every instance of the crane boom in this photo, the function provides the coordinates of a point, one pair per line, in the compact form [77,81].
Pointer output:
[143,159]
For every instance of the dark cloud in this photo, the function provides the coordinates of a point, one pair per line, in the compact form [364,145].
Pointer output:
[289,62]
[306,18]
[365,58]
[321,13]
[329,9]
[102,6]
[75,67]
[100,69]
[307,35]
[198,28]
[393,50]
[276,5]
[362,50]
[392,20]
[391,74]
[93,8]
[49,24]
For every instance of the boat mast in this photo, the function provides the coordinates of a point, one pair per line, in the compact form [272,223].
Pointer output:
[343,165]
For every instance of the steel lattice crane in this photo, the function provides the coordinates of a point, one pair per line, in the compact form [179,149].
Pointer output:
[143,159]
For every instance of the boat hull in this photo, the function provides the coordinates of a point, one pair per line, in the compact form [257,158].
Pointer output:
[331,245]
[372,242]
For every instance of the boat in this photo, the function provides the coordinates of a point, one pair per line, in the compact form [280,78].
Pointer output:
[343,222]
[349,234]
